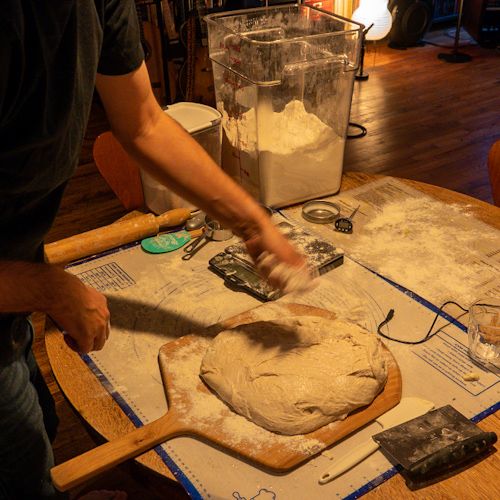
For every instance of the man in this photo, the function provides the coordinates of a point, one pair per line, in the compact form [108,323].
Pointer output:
[52,53]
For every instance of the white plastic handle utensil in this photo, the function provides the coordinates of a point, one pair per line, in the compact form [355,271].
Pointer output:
[348,461]
[407,409]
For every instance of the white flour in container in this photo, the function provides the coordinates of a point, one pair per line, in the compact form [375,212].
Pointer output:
[282,157]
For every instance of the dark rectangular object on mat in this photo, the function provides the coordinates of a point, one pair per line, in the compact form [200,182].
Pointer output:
[237,269]
[435,442]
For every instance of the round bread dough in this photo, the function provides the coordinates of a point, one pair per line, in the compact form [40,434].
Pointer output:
[295,375]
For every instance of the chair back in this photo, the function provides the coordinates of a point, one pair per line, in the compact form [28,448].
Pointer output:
[494,171]
[119,170]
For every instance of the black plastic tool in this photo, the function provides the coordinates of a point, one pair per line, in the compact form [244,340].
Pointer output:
[434,444]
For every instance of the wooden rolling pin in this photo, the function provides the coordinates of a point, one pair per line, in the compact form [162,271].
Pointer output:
[116,234]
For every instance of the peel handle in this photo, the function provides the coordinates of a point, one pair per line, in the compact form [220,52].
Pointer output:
[77,470]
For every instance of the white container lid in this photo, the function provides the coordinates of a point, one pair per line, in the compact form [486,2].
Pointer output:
[193,116]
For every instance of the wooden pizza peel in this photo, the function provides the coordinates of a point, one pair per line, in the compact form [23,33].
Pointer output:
[178,419]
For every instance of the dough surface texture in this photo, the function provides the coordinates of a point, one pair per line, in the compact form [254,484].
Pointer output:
[295,375]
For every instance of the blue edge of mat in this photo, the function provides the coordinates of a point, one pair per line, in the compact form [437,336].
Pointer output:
[176,470]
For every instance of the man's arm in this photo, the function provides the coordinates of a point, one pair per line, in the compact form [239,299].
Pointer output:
[77,309]
[171,155]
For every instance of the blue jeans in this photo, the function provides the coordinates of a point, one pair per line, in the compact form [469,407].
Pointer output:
[27,416]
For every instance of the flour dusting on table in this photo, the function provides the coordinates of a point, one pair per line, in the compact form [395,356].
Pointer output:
[427,246]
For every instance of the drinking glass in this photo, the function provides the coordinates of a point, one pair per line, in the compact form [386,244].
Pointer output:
[484,331]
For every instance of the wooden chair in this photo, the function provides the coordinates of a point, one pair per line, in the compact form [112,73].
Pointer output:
[494,171]
[119,170]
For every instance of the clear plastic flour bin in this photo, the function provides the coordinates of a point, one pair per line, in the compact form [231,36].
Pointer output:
[204,124]
[283,82]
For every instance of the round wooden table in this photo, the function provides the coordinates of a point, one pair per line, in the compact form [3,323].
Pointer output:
[102,413]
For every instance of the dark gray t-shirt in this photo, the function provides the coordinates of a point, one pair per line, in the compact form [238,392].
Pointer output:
[50,52]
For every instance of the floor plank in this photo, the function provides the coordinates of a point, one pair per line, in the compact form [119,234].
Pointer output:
[428,120]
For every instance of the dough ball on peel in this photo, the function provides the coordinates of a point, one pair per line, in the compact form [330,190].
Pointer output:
[295,375]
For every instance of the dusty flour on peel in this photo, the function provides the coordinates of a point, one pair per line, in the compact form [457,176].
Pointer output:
[203,410]
[282,157]
[295,375]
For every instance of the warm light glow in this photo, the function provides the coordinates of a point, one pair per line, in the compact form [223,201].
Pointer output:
[376,12]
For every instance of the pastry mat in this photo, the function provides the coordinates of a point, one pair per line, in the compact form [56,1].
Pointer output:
[171,298]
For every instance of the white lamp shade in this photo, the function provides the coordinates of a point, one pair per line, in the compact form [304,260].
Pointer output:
[376,12]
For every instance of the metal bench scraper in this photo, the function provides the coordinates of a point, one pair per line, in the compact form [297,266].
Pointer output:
[433,444]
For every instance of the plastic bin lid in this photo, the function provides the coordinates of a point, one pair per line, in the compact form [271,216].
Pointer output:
[193,116]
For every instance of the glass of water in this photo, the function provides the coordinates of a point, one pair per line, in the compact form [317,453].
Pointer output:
[484,331]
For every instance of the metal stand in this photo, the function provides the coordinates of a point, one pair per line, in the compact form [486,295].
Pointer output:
[360,76]
[455,56]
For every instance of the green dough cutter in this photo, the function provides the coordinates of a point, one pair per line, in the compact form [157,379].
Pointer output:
[168,242]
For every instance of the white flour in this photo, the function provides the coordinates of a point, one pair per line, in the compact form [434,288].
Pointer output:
[204,410]
[282,157]
[427,246]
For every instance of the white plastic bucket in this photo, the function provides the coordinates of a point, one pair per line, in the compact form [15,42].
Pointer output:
[203,123]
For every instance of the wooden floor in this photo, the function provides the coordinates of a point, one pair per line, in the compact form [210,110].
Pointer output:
[426,119]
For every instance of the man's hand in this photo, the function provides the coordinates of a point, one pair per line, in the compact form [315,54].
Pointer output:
[79,310]
[82,313]
[267,238]
[277,260]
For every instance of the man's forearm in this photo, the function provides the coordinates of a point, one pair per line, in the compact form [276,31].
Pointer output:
[77,309]
[188,170]
[170,154]
[27,286]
